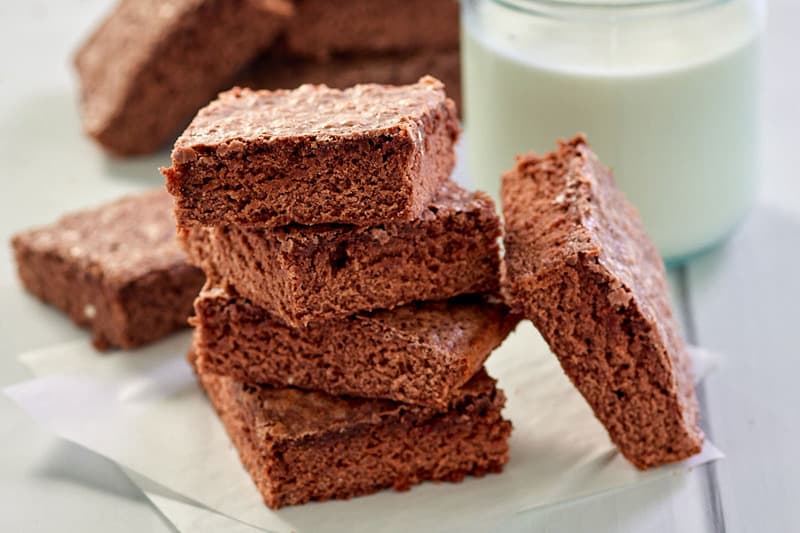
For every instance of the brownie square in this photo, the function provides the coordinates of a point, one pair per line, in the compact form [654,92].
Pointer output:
[314,155]
[580,265]
[300,446]
[323,27]
[301,274]
[115,269]
[418,353]
[152,64]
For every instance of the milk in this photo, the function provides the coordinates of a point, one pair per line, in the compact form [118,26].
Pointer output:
[671,108]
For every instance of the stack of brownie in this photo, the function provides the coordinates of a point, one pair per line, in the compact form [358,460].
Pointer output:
[347,315]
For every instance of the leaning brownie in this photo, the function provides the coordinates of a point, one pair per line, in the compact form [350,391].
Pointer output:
[323,27]
[300,274]
[580,266]
[152,64]
[418,353]
[300,446]
[115,269]
[364,155]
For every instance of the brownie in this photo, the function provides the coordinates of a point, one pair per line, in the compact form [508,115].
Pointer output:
[418,353]
[152,64]
[325,27]
[579,264]
[115,269]
[363,155]
[277,69]
[300,446]
[301,273]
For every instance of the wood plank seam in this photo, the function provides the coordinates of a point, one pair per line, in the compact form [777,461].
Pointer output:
[716,513]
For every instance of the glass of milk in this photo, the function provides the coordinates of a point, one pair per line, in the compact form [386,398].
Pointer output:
[665,90]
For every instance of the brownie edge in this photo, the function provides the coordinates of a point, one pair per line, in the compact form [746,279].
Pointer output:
[314,155]
[581,267]
[418,353]
[306,274]
[303,446]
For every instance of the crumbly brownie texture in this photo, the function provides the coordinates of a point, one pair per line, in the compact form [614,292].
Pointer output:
[301,446]
[300,274]
[325,27]
[151,64]
[418,353]
[364,155]
[115,269]
[580,266]
[276,70]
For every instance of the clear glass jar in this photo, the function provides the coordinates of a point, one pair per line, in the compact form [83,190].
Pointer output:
[666,91]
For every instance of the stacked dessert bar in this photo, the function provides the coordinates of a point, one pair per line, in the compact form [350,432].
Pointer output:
[342,332]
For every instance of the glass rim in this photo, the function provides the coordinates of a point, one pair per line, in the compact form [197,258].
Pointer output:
[605,8]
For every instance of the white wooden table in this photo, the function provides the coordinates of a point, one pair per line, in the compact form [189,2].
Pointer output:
[743,300]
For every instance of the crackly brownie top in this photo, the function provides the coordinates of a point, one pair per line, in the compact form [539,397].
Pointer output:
[451,327]
[244,115]
[289,413]
[120,241]
[461,325]
[451,200]
[565,208]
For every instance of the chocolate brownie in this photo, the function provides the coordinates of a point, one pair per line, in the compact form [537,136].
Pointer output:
[325,27]
[115,269]
[580,266]
[152,64]
[277,69]
[364,155]
[302,273]
[418,353]
[300,446]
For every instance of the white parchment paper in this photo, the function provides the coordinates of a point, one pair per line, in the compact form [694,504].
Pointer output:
[144,410]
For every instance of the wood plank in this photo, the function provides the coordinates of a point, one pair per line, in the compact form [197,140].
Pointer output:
[744,302]
[744,299]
